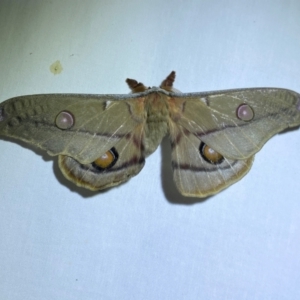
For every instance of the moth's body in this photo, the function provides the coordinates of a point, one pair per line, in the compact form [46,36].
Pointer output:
[157,117]
[102,140]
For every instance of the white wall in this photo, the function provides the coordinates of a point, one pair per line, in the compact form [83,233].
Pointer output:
[143,240]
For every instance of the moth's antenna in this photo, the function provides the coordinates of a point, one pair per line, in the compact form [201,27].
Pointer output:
[136,87]
[168,82]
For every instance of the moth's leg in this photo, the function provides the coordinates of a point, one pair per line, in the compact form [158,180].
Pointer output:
[136,87]
[167,84]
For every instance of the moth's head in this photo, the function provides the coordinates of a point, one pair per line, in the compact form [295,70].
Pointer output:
[170,89]
[166,85]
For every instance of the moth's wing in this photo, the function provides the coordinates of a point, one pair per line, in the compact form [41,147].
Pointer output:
[237,123]
[193,175]
[81,126]
[234,123]
[129,160]
[81,129]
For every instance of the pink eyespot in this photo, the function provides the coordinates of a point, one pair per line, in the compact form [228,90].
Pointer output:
[245,113]
[64,120]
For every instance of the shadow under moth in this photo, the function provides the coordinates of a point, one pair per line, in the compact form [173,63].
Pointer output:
[102,140]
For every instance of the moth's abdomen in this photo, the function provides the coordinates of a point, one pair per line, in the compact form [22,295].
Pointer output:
[156,126]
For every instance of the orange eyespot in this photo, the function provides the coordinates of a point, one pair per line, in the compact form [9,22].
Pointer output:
[210,155]
[107,160]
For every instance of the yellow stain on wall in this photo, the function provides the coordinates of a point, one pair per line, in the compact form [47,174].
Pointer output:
[56,67]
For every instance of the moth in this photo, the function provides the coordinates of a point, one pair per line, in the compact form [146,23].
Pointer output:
[102,140]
